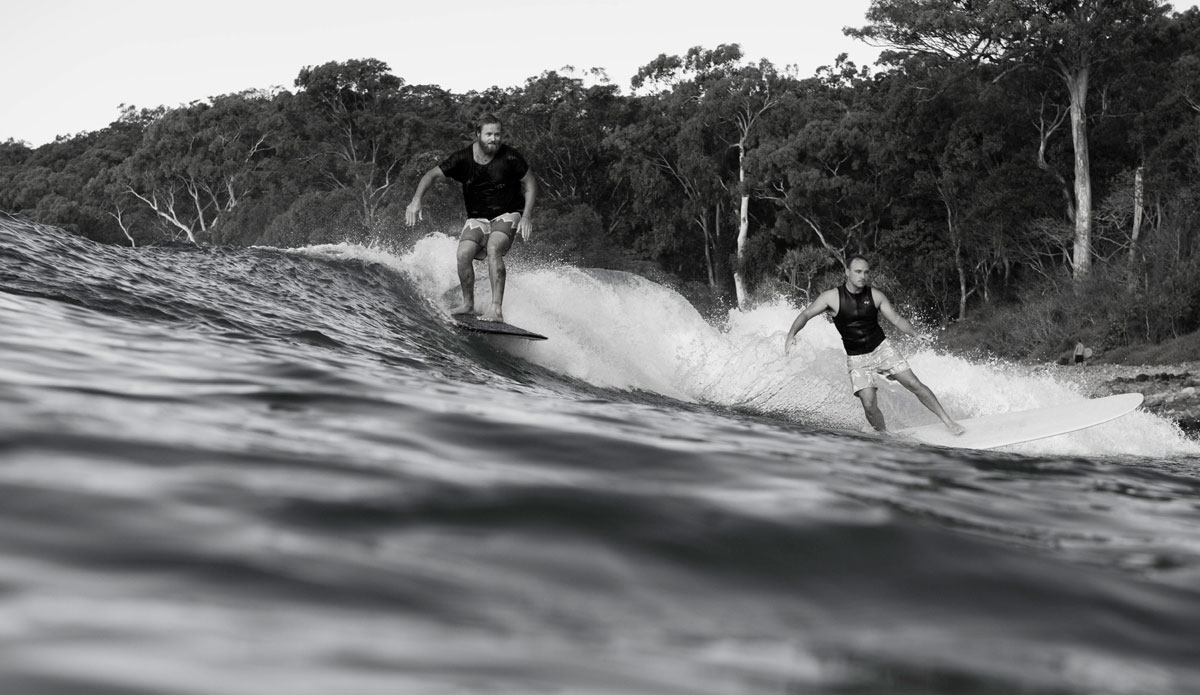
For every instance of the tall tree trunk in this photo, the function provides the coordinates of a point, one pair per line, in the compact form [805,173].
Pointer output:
[1139,193]
[119,216]
[1045,131]
[1077,87]
[739,276]
[716,243]
[953,231]
[962,281]
[702,220]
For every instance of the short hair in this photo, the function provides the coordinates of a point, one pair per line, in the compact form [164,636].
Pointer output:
[857,257]
[486,119]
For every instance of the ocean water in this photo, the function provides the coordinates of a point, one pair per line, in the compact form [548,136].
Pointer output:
[252,471]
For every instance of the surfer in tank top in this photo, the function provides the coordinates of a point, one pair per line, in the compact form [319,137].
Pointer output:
[856,307]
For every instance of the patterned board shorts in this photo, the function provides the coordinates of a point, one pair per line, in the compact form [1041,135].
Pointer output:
[882,360]
[479,229]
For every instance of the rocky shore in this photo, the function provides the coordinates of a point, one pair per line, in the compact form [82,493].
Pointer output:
[1171,391]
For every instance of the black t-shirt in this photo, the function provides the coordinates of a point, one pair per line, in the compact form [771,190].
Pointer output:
[492,189]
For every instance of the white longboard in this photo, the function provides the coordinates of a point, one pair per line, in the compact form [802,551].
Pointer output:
[991,431]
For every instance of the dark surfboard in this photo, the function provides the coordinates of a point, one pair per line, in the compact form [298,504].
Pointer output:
[472,322]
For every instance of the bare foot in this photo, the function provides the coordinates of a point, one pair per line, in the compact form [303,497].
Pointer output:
[493,314]
[462,309]
[955,428]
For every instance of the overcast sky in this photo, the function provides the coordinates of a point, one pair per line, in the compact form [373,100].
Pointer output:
[69,64]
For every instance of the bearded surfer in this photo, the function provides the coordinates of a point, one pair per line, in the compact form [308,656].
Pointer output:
[499,190]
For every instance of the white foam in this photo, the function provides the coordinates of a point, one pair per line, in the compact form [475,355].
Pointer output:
[619,330]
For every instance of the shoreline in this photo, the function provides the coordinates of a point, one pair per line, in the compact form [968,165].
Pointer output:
[1171,391]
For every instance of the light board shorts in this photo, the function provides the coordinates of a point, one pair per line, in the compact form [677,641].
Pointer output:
[479,229]
[883,360]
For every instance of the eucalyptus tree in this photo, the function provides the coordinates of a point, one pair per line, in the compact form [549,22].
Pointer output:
[346,115]
[821,163]
[1071,39]
[22,182]
[674,190]
[107,187]
[960,146]
[61,183]
[562,124]
[196,163]
[743,98]
[13,151]
[715,104]
[670,146]
[1161,119]
[13,156]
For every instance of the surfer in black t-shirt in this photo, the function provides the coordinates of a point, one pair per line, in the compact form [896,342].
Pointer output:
[856,307]
[498,190]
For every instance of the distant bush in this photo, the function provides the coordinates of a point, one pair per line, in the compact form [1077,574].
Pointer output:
[1111,310]
[247,224]
[317,217]
[575,233]
[1183,349]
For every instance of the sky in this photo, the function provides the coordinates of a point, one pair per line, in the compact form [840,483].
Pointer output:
[68,65]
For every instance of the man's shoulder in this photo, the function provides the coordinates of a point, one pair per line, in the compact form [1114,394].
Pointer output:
[458,155]
[511,153]
[829,298]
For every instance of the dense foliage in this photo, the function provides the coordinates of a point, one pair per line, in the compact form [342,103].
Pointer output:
[1029,172]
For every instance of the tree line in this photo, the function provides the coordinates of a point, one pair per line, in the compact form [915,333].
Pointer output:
[1029,169]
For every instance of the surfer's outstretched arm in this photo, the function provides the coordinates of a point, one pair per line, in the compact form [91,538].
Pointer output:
[819,306]
[529,191]
[413,212]
[889,312]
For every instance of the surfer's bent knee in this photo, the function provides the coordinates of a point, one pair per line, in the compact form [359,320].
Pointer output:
[479,230]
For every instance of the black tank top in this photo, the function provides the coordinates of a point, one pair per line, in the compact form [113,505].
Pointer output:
[857,319]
